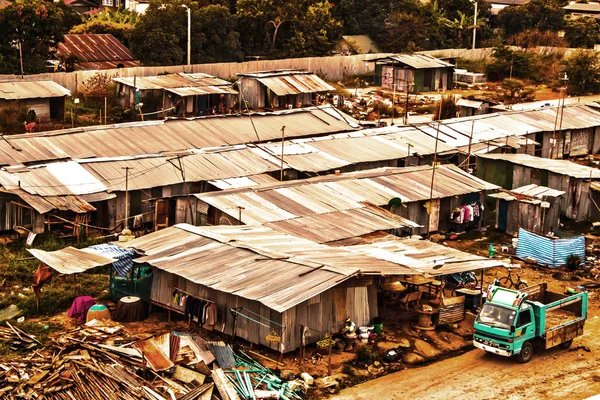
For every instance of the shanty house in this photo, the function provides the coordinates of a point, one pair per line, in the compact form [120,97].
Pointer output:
[336,207]
[94,51]
[413,72]
[532,207]
[512,171]
[184,94]
[316,286]
[581,10]
[284,88]
[46,98]
[42,182]
[470,107]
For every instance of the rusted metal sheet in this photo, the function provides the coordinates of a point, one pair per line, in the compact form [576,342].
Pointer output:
[181,84]
[70,260]
[157,360]
[416,61]
[94,48]
[20,90]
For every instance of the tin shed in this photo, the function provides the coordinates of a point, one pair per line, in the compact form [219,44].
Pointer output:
[515,170]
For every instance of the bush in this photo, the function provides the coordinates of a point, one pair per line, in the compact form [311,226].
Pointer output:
[447,109]
[97,88]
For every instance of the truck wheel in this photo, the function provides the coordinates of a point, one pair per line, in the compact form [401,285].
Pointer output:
[526,353]
[566,345]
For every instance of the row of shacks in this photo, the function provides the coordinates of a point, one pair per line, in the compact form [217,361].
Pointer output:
[81,175]
[315,285]
[329,235]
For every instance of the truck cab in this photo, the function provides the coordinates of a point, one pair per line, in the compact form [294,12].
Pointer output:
[514,322]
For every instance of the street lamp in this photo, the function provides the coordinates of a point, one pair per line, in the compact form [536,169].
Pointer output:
[474,22]
[189,41]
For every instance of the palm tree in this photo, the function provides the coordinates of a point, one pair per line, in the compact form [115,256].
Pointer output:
[459,25]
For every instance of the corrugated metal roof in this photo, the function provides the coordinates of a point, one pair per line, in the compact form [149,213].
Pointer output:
[15,90]
[235,269]
[181,84]
[224,259]
[156,171]
[416,61]
[92,65]
[294,201]
[94,47]
[173,135]
[530,194]
[583,7]
[70,260]
[153,355]
[469,103]
[295,84]
[562,167]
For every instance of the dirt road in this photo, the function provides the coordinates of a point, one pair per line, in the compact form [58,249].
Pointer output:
[552,374]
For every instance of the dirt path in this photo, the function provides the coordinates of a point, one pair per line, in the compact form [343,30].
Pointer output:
[552,374]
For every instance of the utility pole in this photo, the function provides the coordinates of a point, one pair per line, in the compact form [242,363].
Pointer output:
[474,23]
[562,110]
[437,135]
[179,167]
[282,144]
[394,89]
[126,198]
[21,59]
[470,142]
[189,34]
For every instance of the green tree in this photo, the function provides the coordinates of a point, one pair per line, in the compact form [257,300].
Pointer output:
[118,23]
[316,33]
[543,15]
[273,13]
[37,26]
[583,71]
[219,28]
[404,32]
[463,23]
[582,32]
[507,62]
[160,36]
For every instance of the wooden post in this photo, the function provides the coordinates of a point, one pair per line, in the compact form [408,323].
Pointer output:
[329,358]
[282,145]
[437,135]
[470,143]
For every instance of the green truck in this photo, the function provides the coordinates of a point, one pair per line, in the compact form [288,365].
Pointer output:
[515,322]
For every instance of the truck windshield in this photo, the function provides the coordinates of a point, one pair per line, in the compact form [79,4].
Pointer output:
[496,316]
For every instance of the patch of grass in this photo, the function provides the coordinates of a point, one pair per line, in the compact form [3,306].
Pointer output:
[17,269]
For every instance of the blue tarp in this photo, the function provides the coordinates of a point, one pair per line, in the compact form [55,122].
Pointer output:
[124,257]
[548,251]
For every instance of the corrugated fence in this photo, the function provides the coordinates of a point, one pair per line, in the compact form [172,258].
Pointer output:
[548,251]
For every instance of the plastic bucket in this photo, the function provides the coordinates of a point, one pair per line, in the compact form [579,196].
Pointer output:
[378,328]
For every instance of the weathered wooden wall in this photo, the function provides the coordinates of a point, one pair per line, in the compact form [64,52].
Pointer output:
[324,313]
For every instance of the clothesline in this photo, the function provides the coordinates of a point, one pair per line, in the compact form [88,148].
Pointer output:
[193,295]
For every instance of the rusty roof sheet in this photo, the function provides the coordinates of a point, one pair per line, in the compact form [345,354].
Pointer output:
[154,356]
[70,260]
[174,81]
[347,191]
[562,167]
[93,65]
[94,47]
[233,267]
[173,135]
[292,84]
[15,90]
[416,61]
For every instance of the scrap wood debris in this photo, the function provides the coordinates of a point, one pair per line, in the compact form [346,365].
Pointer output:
[99,361]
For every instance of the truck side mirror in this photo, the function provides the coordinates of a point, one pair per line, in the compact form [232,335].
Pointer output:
[512,329]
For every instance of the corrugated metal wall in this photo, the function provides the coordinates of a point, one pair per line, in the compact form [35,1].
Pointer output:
[324,313]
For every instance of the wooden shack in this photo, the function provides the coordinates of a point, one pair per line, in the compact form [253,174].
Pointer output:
[512,171]
[532,207]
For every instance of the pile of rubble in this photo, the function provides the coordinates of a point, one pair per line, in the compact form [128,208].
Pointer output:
[99,361]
